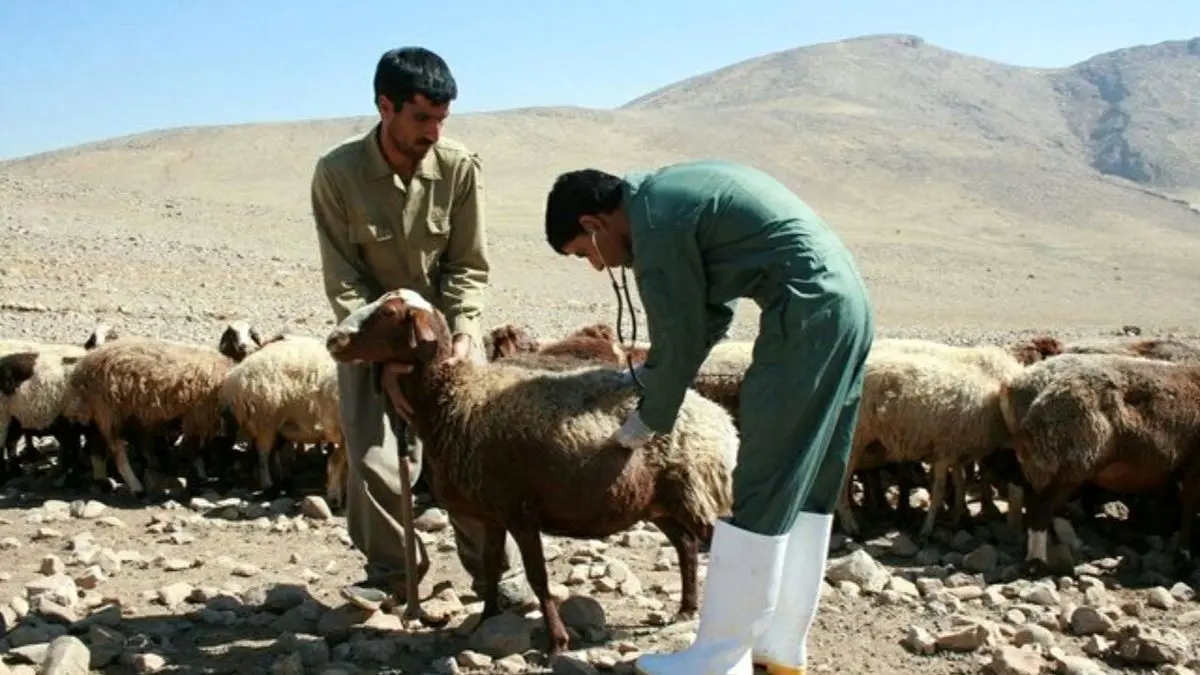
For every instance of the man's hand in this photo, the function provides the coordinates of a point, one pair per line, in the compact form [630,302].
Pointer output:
[460,348]
[627,376]
[389,378]
[633,433]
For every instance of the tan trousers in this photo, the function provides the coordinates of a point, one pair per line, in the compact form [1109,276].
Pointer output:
[373,495]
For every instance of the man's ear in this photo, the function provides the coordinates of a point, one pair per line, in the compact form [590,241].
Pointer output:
[591,224]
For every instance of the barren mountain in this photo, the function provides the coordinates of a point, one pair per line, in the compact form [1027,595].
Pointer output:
[977,195]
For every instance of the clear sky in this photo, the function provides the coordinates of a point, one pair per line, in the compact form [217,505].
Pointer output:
[73,71]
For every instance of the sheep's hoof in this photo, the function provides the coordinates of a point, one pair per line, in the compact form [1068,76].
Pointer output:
[1035,569]
[685,615]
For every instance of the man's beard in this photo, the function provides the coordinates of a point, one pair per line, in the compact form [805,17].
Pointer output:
[415,152]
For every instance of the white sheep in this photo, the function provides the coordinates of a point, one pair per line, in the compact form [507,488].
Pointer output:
[922,405]
[285,391]
[33,388]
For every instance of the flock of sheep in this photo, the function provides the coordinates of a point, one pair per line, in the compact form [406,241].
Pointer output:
[523,439]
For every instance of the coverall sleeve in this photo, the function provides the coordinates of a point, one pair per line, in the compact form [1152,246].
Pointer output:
[345,287]
[672,286]
[719,319]
[465,266]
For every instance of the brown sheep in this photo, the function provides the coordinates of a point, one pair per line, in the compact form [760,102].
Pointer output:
[508,339]
[1127,424]
[528,451]
[144,385]
[1037,349]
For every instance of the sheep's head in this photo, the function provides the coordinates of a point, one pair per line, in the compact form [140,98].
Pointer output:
[507,340]
[401,327]
[1037,349]
[15,369]
[239,340]
[600,331]
[100,334]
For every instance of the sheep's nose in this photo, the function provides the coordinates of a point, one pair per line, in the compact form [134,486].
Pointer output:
[337,342]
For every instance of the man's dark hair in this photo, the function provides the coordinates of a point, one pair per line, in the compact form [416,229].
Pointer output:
[404,72]
[585,192]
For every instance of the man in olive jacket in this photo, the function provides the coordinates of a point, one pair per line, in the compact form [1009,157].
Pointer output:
[402,207]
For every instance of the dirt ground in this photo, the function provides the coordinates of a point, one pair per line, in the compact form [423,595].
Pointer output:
[225,583]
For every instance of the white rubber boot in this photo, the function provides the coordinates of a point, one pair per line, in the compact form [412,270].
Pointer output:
[740,594]
[783,647]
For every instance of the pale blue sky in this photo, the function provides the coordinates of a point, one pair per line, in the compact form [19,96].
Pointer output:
[73,71]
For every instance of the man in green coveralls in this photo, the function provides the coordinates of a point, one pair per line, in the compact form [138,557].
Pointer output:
[699,236]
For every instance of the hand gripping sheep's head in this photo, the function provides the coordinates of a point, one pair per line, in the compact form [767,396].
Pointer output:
[399,327]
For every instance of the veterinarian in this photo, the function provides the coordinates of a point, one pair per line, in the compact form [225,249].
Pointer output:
[402,206]
[699,236]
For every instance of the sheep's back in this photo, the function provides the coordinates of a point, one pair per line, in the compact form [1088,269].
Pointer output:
[921,404]
[291,388]
[993,360]
[155,381]
[570,416]
[1076,412]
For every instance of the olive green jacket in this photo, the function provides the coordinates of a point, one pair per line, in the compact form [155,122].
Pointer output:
[377,234]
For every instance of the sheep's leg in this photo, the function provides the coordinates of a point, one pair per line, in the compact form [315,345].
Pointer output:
[70,450]
[529,541]
[873,496]
[492,556]
[687,547]
[1043,504]
[1016,507]
[265,447]
[120,452]
[959,475]
[937,497]
[155,473]
[844,510]
[1189,503]
[10,433]
[906,482]
[99,450]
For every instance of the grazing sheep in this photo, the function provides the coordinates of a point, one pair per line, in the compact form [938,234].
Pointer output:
[529,451]
[141,386]
[287,392]
[922,406]
[1127,424]
[32,395]
[998,362]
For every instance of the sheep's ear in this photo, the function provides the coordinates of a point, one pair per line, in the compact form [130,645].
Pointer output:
[422,337]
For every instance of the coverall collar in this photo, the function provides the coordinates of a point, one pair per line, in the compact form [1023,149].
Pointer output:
[630,184]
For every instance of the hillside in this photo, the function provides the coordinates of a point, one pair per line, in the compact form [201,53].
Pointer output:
[977,195]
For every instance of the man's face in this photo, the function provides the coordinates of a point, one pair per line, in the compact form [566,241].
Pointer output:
[415,127]
[599,244]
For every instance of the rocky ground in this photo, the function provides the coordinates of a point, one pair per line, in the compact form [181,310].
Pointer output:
[225,583]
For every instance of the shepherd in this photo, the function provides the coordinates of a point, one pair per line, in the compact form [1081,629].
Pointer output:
[699,236]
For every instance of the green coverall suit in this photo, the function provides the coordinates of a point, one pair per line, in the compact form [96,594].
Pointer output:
[705,234]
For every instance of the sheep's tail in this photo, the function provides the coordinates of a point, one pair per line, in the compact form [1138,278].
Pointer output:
[1006,408]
